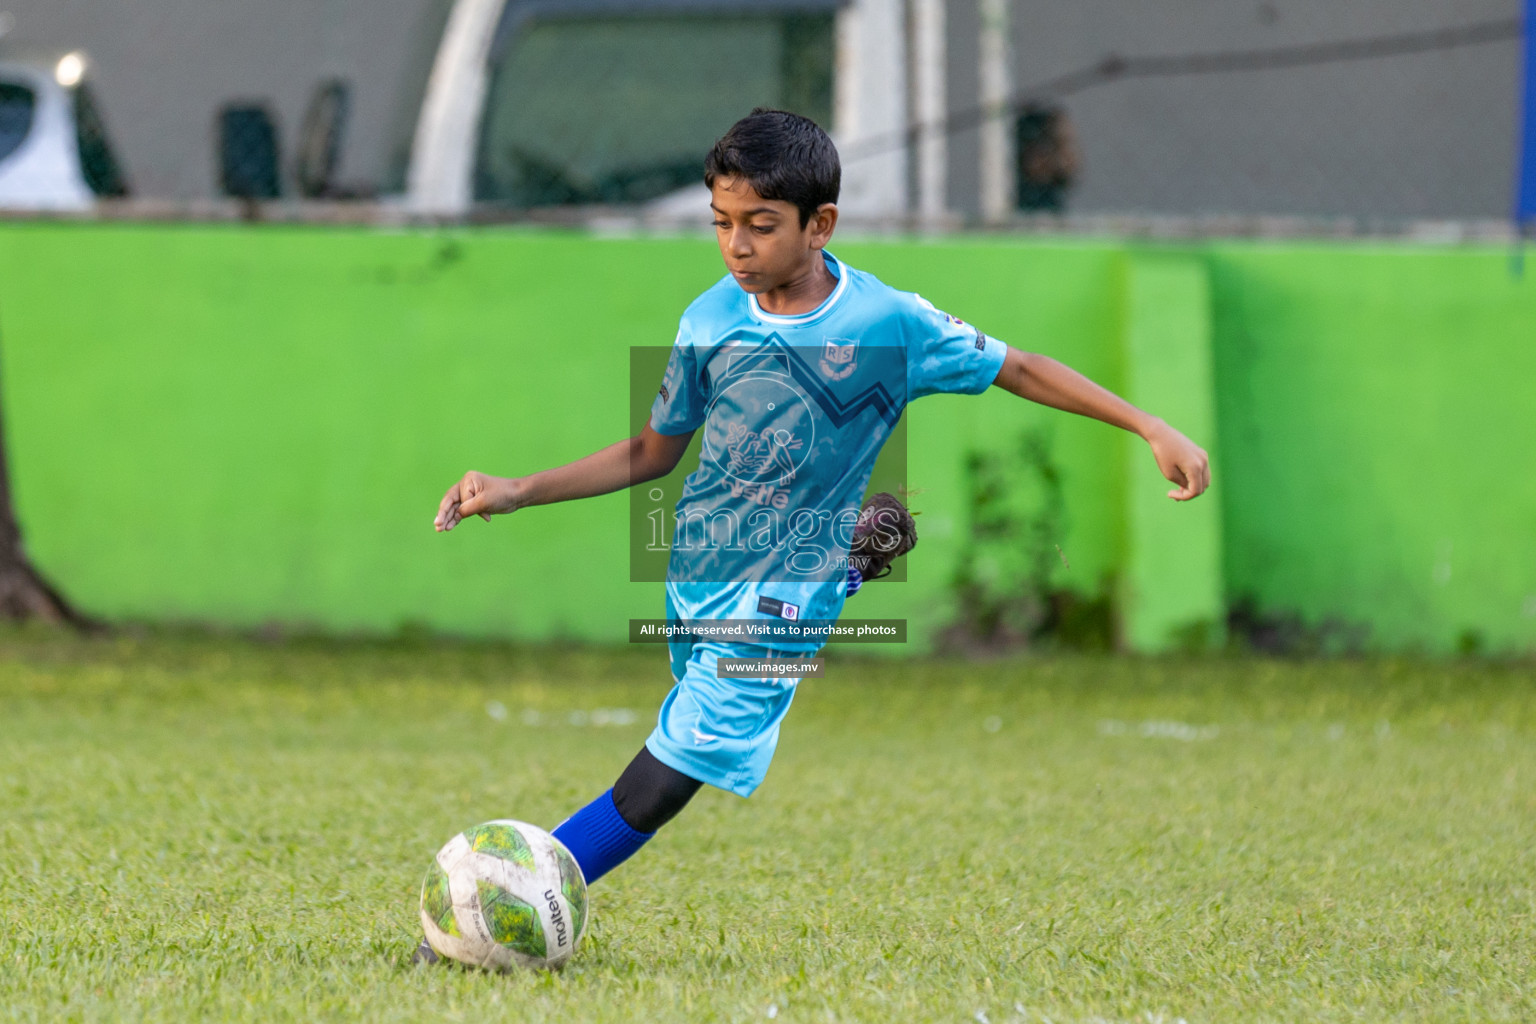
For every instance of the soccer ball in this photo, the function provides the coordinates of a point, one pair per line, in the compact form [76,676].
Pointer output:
[502,895]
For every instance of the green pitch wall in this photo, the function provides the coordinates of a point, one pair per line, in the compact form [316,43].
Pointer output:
[1378,432]
[250,426]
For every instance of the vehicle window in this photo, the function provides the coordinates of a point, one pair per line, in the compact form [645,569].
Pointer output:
[624,109]
[17,105]
[97,164]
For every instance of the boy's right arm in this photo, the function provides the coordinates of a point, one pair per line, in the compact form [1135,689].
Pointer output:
[634,460]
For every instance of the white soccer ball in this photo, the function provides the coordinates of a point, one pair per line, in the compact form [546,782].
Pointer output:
[502,895]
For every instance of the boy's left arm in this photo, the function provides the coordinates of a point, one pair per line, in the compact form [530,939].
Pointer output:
[1042,379]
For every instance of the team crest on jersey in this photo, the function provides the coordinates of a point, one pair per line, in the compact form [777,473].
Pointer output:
[837,358]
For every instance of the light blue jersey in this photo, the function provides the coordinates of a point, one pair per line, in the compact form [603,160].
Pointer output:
[794,410]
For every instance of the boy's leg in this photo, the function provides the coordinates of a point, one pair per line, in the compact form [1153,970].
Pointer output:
[649,794]
[709,730]
[720,732]
[608,831]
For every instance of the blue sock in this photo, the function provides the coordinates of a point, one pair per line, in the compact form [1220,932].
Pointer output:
[599,838]
[855,580]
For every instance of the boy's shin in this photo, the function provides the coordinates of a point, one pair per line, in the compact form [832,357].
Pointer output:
[608,831]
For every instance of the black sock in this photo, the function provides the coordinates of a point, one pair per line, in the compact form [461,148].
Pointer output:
[649,794]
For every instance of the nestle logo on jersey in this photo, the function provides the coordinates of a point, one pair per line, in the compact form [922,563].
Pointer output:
[763,494]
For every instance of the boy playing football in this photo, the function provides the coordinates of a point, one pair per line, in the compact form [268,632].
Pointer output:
[797,367]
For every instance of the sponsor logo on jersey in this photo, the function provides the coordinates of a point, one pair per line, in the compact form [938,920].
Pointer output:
[837,358]
[981,341]
[773,606]
[762,494]
[666,396]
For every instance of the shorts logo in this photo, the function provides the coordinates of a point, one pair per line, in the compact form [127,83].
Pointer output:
[783,609]
[837,359]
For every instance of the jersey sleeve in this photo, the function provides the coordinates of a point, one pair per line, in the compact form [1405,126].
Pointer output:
[681,402]
[947,355]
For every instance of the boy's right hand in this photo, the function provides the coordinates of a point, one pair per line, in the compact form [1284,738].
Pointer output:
[475,495]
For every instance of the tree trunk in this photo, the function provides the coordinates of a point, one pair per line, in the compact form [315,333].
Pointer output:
[24,594]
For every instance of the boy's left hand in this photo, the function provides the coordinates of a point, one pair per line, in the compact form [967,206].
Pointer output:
[477,494]
[1180,460]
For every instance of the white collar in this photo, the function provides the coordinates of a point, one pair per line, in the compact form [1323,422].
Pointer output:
[796,319]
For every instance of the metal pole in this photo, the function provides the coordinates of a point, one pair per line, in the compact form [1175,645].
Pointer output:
[996,155]
[870,87]
[929,107]
[1525,189]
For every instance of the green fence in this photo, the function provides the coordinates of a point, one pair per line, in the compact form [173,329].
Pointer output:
[254,426]
[1378,425]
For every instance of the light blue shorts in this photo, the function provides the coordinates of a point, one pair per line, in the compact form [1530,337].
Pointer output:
[720,731]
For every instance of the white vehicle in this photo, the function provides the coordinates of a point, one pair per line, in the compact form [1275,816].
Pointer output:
[54,153]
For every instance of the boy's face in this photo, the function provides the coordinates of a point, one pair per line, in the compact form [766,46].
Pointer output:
[761,240]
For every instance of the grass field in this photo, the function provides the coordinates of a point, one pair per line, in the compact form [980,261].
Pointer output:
[204,828]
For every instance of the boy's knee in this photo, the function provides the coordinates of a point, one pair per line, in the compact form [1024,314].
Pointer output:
[649,793]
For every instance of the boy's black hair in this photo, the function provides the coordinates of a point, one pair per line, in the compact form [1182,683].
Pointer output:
[782,156]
